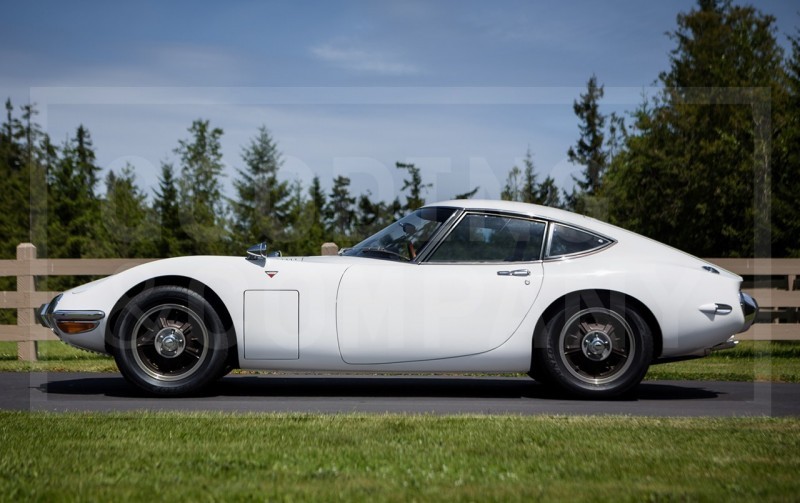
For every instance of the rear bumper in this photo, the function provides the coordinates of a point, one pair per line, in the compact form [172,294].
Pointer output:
[749,309]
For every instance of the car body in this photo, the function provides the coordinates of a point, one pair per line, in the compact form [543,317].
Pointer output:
[457,286]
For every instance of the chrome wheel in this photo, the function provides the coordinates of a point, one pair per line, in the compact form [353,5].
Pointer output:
[596,345]
[170,342]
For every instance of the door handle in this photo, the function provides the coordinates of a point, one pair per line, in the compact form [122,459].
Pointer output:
[716,308]
[517,272]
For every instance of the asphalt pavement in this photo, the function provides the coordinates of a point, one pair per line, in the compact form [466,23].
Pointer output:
[338,393]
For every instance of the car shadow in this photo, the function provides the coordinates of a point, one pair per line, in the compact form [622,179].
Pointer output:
[340,386]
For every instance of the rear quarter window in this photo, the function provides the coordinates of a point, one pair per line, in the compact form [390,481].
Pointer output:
[565,241]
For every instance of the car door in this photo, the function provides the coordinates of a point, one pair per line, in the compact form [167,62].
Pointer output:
[467,296]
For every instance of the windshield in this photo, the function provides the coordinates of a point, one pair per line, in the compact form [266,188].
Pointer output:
[405,239]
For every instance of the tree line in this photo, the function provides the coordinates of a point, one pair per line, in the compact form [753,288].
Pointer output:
[709,165]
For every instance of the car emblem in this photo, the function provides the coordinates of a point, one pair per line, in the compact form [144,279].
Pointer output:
[271,274]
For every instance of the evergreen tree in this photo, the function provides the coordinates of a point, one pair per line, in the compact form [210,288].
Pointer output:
[13,217]
[512,191]
[786,160]
[547,193]
[316,233]
[467,195]
[339,211]
[128,222]
[172,239]
[373,216]
[201,209]
[686,175]
[589,151]
[524,187]
[530,188]
[260,208]
[414,185]
[74,222]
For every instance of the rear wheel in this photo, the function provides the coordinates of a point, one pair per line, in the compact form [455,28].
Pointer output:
[170,341]
[594,347]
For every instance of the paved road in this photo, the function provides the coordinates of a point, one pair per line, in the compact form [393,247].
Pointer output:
[371,394]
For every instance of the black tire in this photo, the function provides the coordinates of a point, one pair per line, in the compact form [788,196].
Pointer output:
[595,346]
[170,341]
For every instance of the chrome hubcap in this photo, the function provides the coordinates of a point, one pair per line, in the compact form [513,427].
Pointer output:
[169,342]
[596,346]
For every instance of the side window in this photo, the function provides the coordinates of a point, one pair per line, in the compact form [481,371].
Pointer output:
[568,240]
[492,238]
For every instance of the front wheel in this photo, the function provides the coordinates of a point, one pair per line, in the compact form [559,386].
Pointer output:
[594,348]
[170,341]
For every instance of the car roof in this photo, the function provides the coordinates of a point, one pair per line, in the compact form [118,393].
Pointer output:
[527,209]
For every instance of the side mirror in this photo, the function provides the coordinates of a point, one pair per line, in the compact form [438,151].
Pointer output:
[257,252]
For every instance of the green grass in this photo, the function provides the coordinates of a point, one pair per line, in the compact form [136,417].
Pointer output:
[55,356]
[760,361]
[210,457]
[777,361]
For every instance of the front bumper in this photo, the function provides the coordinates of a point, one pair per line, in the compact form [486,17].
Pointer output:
[65,323]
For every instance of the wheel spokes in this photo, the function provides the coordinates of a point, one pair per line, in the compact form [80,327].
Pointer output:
[596,345]
[170,342]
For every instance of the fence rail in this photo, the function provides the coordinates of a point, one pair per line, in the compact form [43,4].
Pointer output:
[778,319]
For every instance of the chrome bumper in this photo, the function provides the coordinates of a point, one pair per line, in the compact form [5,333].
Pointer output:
[44,315]
[750,310]
[66,322]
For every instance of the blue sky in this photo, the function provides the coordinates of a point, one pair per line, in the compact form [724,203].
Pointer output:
[461,88]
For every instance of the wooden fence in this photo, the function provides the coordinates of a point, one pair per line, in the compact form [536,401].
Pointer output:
[772,282]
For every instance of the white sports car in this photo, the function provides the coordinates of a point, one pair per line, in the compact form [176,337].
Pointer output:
[457,286]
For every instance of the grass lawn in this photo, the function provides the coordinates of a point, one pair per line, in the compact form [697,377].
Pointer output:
[209,457]
[761,361]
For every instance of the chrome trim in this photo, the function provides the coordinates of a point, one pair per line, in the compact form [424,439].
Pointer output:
[516,272]
[729,344]
[749,309]
[442,234]
[78,315]
[716,308]
[723,308]
[549,239]
[257,252]
[44,315]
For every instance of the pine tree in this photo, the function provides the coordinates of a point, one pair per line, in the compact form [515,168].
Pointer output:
[589,151]
[372,216]
[786,160]
[260,210]
[523,186]
[171,238]
[126,216]
[316,233]
[414,185]
[202,209]
[74,222]
[467,195]
[687,172]
[13,217]
[339,211]
[512,191]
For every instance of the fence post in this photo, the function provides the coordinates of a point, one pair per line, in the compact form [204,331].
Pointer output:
[26,349]
[329,249]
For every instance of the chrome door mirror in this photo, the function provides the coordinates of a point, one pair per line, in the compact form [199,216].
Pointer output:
[257,252]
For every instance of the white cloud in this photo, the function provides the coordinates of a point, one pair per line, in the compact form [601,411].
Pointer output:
[362,61]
